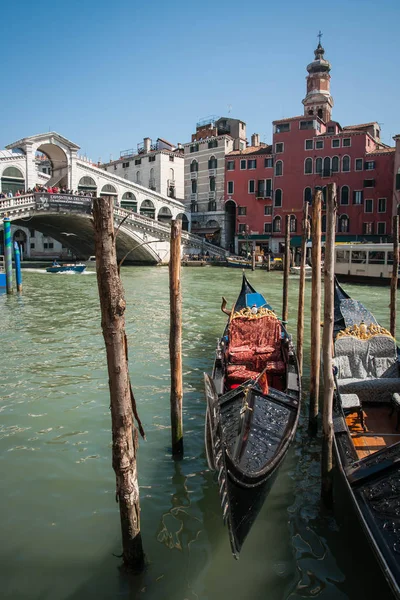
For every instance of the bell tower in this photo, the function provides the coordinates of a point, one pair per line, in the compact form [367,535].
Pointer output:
[318,101]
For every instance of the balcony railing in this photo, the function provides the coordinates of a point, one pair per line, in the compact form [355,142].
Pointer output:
[211,195]
[193,174]
[171,182]
[193,197]
[212,172]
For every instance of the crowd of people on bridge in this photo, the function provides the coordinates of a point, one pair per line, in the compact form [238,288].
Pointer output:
[41,189]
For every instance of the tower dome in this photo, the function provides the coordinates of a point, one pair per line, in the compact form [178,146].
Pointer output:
[318,101]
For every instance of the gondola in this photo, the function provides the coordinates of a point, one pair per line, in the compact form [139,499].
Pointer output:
[366,417]
[253,403]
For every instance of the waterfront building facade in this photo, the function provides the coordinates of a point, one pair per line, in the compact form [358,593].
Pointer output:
[307,152]
[205,174]
[158,166]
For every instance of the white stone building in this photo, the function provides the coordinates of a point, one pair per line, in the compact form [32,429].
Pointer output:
[205,174]
[158,166]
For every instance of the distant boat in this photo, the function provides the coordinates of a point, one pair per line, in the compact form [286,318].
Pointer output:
[296,271]
[91,261]
[66,268]
[241,263]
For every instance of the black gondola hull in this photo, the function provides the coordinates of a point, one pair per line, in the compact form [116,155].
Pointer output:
[372,483]
[247,434]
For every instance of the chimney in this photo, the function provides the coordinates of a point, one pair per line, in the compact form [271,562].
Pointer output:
[255,140]
[146,144]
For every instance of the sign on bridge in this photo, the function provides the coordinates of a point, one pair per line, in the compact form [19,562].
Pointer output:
[68,201]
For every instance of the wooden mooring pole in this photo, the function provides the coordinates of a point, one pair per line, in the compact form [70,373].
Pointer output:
[124,432]
[286,267]
[315,311]
[327,341]
[302,285]
[175,339]
[395,275]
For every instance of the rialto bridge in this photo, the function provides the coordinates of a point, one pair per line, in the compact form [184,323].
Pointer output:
[67,217]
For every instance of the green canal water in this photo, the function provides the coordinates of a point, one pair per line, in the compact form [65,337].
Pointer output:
[60,531]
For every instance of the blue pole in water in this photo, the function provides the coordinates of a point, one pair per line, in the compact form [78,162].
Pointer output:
[18,274]
[8,254]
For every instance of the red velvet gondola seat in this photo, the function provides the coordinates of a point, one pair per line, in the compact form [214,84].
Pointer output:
[254,344]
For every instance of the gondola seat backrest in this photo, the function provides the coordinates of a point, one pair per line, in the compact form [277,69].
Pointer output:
[254,341]
[382,356]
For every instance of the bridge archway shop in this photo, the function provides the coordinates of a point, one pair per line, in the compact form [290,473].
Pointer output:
[87,184]
[12,180]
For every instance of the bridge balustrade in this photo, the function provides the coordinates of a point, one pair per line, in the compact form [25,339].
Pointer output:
[45,200]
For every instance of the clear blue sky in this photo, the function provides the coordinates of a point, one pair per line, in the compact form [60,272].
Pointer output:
[107,74]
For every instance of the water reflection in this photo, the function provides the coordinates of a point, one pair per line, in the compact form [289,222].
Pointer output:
[178,528]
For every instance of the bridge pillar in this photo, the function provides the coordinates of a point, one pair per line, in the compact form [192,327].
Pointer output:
[31,170]
[73,174]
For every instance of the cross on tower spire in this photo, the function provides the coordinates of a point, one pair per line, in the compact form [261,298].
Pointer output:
[319,36]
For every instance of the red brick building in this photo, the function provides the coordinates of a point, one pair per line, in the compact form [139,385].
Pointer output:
[264,183]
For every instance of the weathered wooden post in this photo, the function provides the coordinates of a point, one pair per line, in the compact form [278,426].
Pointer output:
[302,285]
[327,340]
[315,310]
[286,267]
[395,275]
[268,262]
[124,432]
[175,339]
[253,260]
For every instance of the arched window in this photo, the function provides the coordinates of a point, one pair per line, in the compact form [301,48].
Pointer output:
[12,180]
[172,175]
[87,184]
[327,166]
[194,186]
[346,164]
[185,222]
[279,168]
[278,198]
[293,224]
[194,166]
[212,184]
[108,190]
[129,201]
[344,194]
[277,225]
[137,176]
[164,215]
[308,166]
[212,162]
[13,172]
[308,195]
[335,164]
[318,166]
[147,209]
[343,224]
